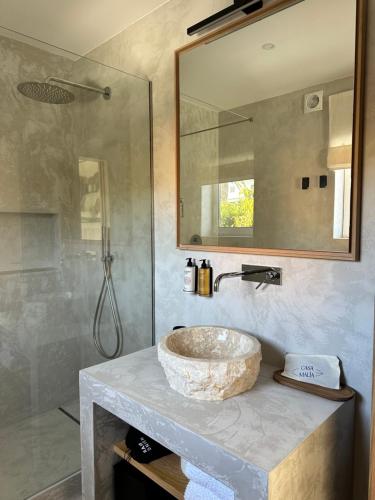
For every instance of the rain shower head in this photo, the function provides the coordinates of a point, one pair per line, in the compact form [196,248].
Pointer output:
[45,92]
[54,94]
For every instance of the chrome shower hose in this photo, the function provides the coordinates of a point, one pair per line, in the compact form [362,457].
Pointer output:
[107,289]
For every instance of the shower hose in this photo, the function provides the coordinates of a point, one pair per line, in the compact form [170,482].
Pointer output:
[107,290]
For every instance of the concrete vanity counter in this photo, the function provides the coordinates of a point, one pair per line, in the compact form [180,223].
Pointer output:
[272,442]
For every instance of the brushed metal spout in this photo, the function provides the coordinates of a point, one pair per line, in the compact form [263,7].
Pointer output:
[269,274]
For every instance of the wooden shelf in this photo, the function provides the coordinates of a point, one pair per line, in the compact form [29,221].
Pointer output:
[165,471]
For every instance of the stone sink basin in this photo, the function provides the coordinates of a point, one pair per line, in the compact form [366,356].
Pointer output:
[210,362]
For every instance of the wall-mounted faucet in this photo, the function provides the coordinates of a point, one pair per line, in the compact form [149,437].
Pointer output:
[258,274]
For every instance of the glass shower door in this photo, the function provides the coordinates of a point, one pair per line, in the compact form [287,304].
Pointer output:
[53,159]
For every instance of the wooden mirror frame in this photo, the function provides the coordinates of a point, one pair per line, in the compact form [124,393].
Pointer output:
[356,200]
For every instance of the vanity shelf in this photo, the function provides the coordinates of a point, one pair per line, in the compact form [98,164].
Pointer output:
[165,471]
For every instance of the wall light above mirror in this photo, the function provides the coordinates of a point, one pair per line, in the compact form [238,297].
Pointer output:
[269,128]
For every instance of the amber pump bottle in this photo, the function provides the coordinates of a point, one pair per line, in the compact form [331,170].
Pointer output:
[205,279]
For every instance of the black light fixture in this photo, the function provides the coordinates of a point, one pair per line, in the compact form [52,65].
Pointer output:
[246,6]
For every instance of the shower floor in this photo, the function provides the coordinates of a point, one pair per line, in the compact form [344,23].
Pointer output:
[38,452]
[71,409]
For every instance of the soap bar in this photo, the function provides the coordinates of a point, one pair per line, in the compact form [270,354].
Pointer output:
[314,369]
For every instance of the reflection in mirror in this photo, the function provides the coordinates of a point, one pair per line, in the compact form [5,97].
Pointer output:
[260,109]
[94,198]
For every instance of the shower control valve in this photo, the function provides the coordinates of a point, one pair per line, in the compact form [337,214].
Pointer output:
[107,258]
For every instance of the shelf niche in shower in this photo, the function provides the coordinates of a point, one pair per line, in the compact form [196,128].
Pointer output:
[29,241]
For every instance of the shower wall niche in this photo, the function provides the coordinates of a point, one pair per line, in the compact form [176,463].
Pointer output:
[29,242]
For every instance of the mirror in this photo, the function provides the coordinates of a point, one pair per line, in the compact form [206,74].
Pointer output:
[269,132]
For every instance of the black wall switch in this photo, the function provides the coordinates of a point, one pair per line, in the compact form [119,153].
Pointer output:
[305,182]
[323,181]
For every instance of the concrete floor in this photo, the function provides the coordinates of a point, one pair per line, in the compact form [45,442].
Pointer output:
[38,452]
[70,489]
[72,408]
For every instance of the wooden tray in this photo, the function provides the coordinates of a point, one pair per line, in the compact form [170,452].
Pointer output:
[343,394]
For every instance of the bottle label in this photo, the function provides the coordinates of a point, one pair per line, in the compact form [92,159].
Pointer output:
[204,282]
[189,280]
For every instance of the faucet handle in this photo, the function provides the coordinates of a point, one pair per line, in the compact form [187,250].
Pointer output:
[269,276]
[260,284]
[272,275]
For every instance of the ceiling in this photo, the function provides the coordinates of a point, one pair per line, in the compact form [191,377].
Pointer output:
[314,43]
[75,25]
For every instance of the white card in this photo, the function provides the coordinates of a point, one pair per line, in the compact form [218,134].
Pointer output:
[314,369]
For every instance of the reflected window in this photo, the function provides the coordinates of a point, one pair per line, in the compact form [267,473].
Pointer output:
[92,189]
[343,182]
[236,204]
[227,209]
[340,159]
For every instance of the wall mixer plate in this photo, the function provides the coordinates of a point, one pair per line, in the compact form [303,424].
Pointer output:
[264,276]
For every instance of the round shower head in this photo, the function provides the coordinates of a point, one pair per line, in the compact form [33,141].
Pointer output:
[45,92]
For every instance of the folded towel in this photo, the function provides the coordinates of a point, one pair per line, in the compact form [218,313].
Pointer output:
[195,491]
[212,485]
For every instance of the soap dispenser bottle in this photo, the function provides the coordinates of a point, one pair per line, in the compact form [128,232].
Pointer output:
[190,276]
[205,279]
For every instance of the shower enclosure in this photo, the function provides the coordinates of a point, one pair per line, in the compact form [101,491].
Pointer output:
[76,246]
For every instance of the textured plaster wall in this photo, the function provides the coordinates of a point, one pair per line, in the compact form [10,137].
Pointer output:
[322,306]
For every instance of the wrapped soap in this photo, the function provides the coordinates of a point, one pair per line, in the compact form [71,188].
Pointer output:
[314,369]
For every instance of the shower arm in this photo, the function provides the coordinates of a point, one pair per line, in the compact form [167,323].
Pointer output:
[106,92]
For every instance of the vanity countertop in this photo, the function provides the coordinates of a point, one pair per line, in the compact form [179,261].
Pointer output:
[256,430]
[261,426]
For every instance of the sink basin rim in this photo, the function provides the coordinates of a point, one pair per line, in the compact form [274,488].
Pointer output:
[256,348]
